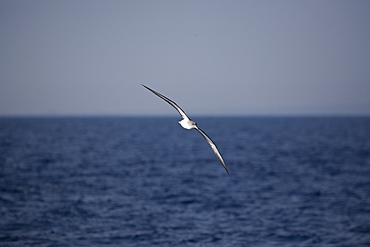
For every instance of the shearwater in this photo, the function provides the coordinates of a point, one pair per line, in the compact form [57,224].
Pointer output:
[187,123]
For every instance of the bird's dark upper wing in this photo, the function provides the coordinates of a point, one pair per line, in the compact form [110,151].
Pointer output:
[181,112]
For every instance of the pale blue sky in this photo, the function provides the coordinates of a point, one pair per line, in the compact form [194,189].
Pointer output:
[211,57]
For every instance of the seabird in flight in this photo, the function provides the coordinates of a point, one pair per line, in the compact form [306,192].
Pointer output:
[187,123]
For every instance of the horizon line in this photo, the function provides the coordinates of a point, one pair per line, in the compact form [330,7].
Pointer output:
[175,115]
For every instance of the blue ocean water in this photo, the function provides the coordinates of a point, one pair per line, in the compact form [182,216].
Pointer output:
[294,181]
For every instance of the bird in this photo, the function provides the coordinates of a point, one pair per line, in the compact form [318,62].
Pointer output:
[189,124]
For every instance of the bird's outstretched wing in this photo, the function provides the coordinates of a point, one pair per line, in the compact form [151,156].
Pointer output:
[214,148]
[181,112]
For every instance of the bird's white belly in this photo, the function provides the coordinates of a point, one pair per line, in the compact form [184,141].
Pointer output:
[187,124]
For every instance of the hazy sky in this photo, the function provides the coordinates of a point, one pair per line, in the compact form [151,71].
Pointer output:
[211,57]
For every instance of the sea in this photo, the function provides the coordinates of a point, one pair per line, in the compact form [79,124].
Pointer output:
[146,181]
